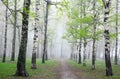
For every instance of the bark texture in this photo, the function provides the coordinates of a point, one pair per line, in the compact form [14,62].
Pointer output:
[116,46]
[5,39]
[21,63]
[84,52]
[35,43]
[45,34]
[14,32]
[107,38]
[94,37]
[79,59]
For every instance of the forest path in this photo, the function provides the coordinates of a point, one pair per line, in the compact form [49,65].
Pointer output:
[69,72]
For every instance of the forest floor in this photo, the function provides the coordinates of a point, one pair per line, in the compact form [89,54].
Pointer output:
[59,69]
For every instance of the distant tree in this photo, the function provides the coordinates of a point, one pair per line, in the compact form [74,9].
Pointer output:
[84,52]
[5,39]
[21,63]
[80,44]
[116,46]
[45,33]
[79,57]
[14,32]
[107,4]
[85,41]
[94,35]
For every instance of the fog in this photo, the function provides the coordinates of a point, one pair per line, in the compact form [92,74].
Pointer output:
[57,47]
[60,47]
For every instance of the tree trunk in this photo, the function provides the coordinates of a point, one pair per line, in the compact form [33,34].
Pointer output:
[116,46]
[14,33]
[35,43]
[94,37]
[38,50]
[21,63]
[51,47]
[85,42]
[79,59]
[45,34]
[5,39]
[107,39]
[84,53]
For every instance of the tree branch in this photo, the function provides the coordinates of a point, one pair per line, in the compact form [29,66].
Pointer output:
[104,3]
[7,7]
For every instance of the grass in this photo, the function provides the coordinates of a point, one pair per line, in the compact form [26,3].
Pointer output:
[99,73]
[43,71]
[49,70]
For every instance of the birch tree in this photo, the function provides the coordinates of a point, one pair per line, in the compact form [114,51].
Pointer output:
[35,42]
[94,35]
[106,4]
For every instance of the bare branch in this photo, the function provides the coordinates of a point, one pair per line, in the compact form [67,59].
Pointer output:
[104,3]
[7,7]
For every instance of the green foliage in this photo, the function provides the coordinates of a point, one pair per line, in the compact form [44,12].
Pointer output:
[83,33]
[101,3]
[113,18]
[99,33]
[62,7]
[6,2]
[65,4]
[87,19]
[32,14]
[113,35]
[80,23]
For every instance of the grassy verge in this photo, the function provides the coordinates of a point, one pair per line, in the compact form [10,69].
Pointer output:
[99,73]
[43,71]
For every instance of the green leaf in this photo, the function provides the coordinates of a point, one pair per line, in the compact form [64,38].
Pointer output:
[101,3]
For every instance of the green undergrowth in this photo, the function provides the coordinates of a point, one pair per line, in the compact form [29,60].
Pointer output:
[43,71]
[99,72]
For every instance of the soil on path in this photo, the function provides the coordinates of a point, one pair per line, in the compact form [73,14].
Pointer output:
[68,72]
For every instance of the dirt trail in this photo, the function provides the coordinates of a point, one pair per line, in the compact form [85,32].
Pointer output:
[66,71]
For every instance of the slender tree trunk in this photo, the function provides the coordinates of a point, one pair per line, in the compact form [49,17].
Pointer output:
[94,37]
[51,47]
[85,42]
[107,38]
[116,46]
[84,53]
[71,51]
[79,59]
[21,63]
[45,34]
[14,33]
[62,49]
[46,55]
[35,43]
[5,36]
